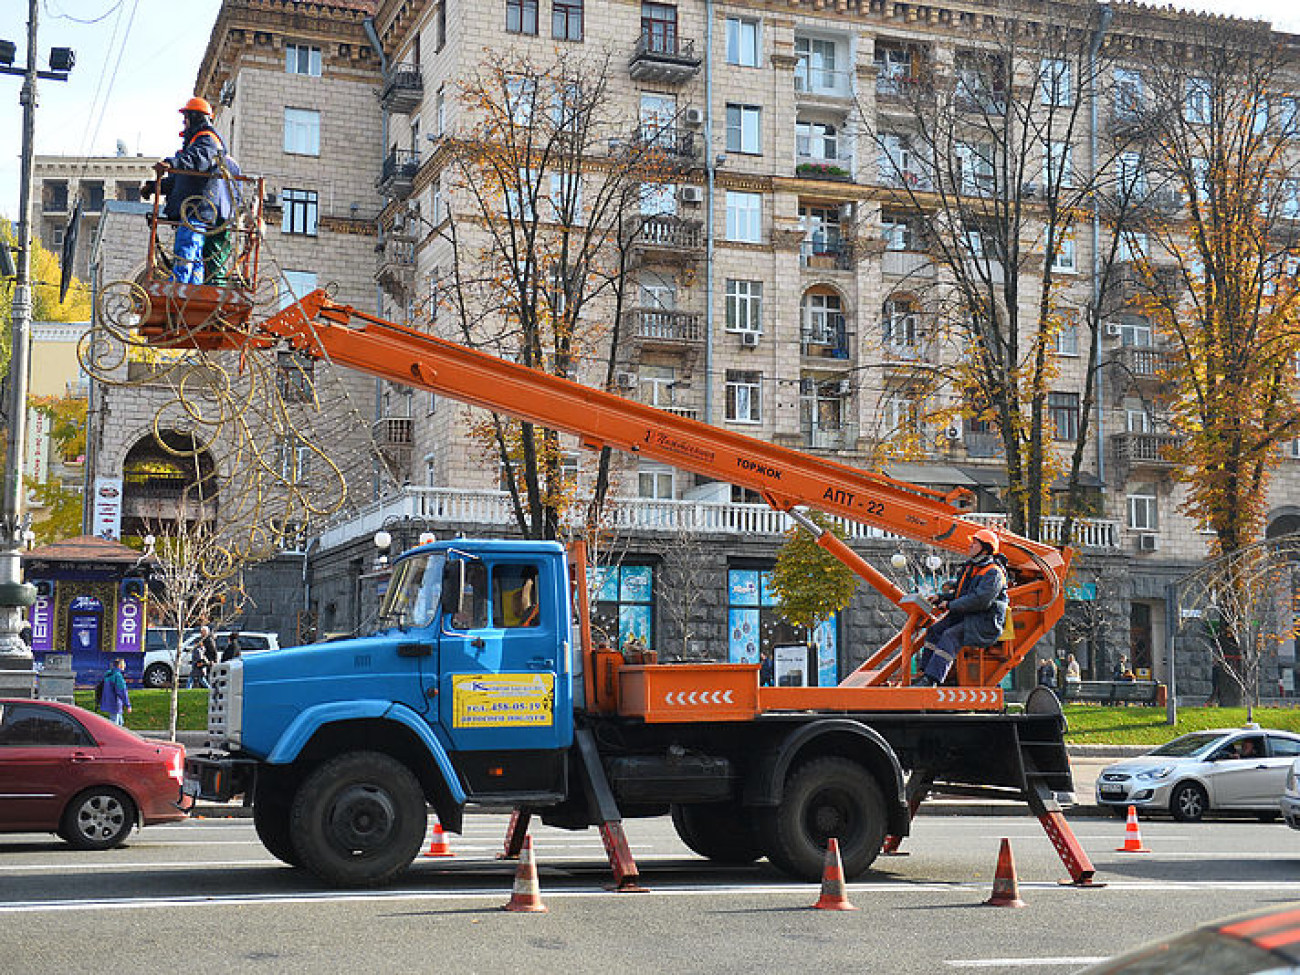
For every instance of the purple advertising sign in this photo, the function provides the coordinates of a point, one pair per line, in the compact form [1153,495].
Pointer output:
[42,620]
[130,625]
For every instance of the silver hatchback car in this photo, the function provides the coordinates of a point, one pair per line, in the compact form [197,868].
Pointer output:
[1228,769]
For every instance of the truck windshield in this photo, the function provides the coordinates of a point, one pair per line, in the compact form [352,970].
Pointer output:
[414,592]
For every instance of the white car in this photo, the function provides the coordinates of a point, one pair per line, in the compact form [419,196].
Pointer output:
[1290,801]
[160,653]
[1227,769]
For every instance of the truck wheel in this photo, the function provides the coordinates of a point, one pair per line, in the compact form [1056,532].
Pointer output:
[272,807]
[717,831]
[158,675]
[824,798]
[358,820]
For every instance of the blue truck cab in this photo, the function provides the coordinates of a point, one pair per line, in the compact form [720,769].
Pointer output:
[466,686]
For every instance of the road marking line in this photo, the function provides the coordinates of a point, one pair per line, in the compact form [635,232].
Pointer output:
[1001,963]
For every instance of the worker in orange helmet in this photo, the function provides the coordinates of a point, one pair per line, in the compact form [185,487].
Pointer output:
[975,609]
[201,149]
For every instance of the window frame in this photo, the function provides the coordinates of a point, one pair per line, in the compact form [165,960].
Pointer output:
[1051,73]
[744,129]
[743,303]
[297,202]
[519,11]
[744,396]
[1065,411]
[563,14]
[302,121]
[735,47]
[744,222]
[314,62]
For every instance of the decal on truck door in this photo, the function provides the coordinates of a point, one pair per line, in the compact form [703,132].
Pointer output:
[503,700]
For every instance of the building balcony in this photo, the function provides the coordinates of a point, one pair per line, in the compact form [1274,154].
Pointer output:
[395,267]
[826,255]
[689,412]
[901,89]
[983,444]
[907,264]
[900,354]
[829,438]
[491,511]
[667,236]
[818,83]
[678,146]
[1144,450]
[394,438]
[1142,363]
[665,327]
[663,58]
[403,89]
[397,177]
[828,339]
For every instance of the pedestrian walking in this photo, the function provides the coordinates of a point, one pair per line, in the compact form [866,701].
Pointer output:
[198,663]
[114,699]
[1046,673]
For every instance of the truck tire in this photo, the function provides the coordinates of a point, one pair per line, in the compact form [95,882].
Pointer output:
[717,831]
[272,808]
[824,798]
[359,819]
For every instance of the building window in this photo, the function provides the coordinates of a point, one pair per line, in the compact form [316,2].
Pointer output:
[624,610]
[439,30]
[1196,104]
[1054,82]
[817,140]
[659,28]
[817,70]
[1064,410]
[743,129]
[1135,332]
[1058,165]
[302,132]
[744,397]
[742,42]
[902,328]
[301,59]
[899,232]
[1063,259]
[296,284]
[521,99]
[744,305]
[295,377]
[1129,93]
[1293,449]
[822,319]
[521,16]
[900,164]
[745,217]
[655,483]
[974,168]
[295,459]
[1066,340]
[566,20]
[300,211]
[893,68]
[1142,508]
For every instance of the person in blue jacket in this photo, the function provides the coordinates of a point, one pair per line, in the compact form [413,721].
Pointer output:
[976,610]
[199,155]
[115,700]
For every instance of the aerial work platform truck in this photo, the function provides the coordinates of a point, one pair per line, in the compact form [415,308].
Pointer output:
[481,684]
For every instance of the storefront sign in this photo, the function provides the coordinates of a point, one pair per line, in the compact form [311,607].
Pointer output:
[130,624]
[108,507]
[42,621]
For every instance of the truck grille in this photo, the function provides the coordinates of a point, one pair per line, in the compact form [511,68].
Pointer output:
[225,704]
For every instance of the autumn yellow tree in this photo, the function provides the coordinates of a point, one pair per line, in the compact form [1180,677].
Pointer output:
[46,306]
[545,188]
[1219,271]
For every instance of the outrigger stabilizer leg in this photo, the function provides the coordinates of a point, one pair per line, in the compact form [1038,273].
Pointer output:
[601,798]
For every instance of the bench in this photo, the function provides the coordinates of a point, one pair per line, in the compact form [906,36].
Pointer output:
[1143,692]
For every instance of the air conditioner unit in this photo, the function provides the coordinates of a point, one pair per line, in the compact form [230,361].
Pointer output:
[1148,542]
[270,200]
[749,339]
[953,432]
[693,116]
[1114,330]
[227,96]
[844,387]
[692,194]
[625,380]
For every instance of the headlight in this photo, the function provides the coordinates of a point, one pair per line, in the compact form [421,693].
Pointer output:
[1290,780]
[1163,772]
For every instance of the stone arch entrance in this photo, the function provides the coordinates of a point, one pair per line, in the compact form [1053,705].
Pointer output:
[167,477]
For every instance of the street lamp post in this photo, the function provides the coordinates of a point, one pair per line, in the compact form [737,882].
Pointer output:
[17,677]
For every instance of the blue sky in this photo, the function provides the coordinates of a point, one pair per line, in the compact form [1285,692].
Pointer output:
[137,62]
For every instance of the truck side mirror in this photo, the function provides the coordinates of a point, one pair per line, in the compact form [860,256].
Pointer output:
[453,587]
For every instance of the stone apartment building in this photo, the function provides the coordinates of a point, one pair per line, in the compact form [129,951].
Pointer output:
[781,300]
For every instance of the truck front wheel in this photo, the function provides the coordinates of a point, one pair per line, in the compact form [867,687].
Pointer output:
[825,798]
[718,831]
[359,819]
[272,806]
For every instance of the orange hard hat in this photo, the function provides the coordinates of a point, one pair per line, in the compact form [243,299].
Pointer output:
[989,538]
[197,105]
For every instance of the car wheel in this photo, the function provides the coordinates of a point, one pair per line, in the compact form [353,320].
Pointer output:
[272,808]
[158,675]
[98,819]
[825,798]
[718,831]
[1189,802]
[359,819]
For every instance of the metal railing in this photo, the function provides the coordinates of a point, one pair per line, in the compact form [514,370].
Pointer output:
[822,81]
[836,254]
[668,231]
[666,325]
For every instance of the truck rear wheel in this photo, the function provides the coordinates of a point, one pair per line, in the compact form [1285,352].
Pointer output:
[359,819]
[272,807]
[824,798]
[717,831]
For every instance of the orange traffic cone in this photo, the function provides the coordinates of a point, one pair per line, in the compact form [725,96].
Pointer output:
[438,846]
[835,896]
[526,896]
[1132,837]
[1006,891]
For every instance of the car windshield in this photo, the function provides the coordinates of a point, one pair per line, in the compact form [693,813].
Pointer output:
[414,592]
[1186,745]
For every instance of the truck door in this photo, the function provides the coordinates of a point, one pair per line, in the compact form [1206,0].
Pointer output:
[504,698]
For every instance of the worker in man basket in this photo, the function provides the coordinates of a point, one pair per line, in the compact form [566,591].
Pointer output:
[975,609]
[200,205]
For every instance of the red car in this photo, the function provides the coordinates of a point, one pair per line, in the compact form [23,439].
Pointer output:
[67,771]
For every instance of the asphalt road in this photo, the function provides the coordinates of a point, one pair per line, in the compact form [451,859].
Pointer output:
[203,896]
